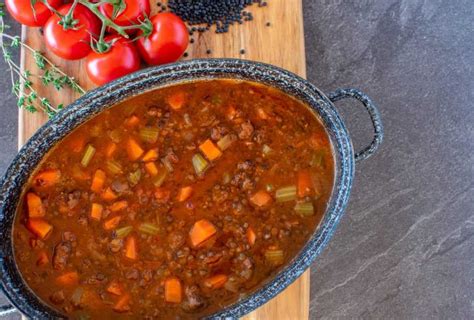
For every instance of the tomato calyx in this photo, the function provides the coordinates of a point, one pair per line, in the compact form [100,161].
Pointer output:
[67,21]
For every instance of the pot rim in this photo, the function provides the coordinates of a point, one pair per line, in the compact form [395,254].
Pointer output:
[99,99]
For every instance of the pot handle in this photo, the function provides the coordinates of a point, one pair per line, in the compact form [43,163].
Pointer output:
[5,310]
[374,114]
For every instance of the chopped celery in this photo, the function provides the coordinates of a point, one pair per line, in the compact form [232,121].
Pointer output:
[148,228]
[200,164]
[266,150]
[274,256]
[317,159]
[226,178]
[160,178]
[149,134]
[88,154]
[134,177]
[123,232]
[225,141]
[304,208]
[114,167]
[286,194]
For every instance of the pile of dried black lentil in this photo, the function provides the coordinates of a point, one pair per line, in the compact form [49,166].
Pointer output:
[205,13]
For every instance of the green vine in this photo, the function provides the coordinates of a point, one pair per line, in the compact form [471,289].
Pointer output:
[22,85]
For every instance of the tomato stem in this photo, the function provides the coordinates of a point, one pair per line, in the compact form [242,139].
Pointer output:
[68,21]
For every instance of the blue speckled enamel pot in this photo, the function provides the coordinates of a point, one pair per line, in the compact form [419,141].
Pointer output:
[104,97]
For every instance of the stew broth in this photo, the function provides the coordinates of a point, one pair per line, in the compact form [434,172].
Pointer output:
[175,203]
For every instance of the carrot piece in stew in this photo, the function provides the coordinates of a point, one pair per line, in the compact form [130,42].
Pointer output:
[35,206]
[261,198]
[109,195]
[201,231]
[98,181]
[305,184]
[216,282]
[184,193]
[176,100]
[150,155]
[111,148]
[209,149]
[119,205]
[96,211]
[114,287]
[251,236]
[47,178]
[68,279]
[42,259]
[132,121]
[123,304]
[134,150]
[131,248]
[39,227]
[151,168]
[112,223]
[173,291]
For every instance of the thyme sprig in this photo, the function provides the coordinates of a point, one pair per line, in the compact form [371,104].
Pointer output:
[22,80]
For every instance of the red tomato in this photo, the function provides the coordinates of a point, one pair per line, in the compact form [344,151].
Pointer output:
[135,11]
[22,11]
[167,42]
[120,60]
[71,44]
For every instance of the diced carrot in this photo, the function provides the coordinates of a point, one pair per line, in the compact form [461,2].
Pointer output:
[77,144]
[123,304]
[42,259]
[111,148]
[132,121]
[119,205]
[162,194]
[109,195]
[35,206]
[251,236]
[216,282]
[231,112]
[262,114]
[261,198]
[98,181]
[173,291]
[184,193]
[134,150]
[201,231]
[47,178]
[210,150]
[131,248]
[39,227]
[305,183]
[79,174]
[96,211]
[112,223]
[114,287]
[176,100]
[151,168]
[68,279]
[150,155]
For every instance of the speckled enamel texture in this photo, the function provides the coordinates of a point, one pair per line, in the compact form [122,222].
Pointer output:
[105,97]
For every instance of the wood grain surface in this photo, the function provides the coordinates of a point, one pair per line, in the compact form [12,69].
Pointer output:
[281,44]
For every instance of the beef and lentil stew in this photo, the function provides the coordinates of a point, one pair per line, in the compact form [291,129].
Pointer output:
[175,203]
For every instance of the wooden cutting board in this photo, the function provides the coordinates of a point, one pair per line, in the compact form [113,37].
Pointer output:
[281,43]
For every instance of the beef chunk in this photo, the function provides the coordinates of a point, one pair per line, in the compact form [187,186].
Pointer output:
[62,251]
[246,130]
[57,297]
[193,299]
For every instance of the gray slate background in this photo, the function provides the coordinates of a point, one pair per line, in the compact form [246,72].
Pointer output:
[405,248]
